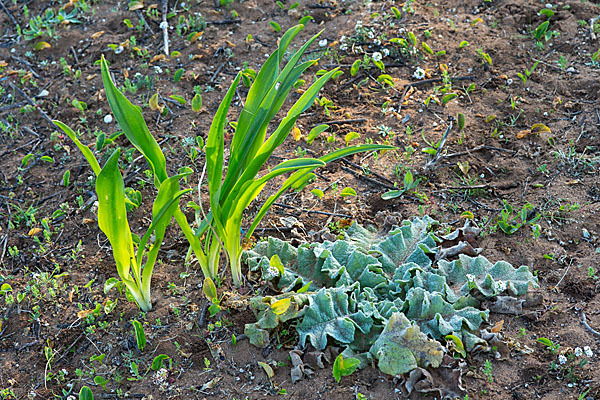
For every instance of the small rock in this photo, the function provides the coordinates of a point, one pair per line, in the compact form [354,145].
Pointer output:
[586,233]
[43,93]
[108,119]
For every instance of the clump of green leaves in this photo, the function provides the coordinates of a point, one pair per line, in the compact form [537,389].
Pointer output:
[221,228]
[251,149]
[380,297]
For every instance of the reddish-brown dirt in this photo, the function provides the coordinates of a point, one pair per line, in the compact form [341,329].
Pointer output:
[498,158]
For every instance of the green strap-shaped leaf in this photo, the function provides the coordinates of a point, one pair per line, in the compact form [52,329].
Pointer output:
[296,176]
[112,215]
[132,122]
[239,200]
[87,153]
[214,151]
[252,125]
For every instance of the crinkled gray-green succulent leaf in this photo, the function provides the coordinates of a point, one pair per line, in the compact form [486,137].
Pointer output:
[438,317]
[267,319]
[332,313]
[364,286]
[301,266]
[402,347]
[361,237]
[412,242]
[468,273]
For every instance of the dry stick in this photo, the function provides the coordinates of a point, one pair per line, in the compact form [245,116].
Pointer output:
[367,179]
[27,64]
[312,212]
[7,232]
[11,106]
[165,26]
[141,17]
[225,22]
[34,133]
[14,21]
[340,122]
[33,103]
[74,56]
[358,167]
[17,148]
[563,277]
[437,156]
[587,326]
[219,68]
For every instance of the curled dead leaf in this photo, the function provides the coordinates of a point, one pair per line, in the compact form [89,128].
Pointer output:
[535,129]
[158,57]
[84,313]
[34,231]
[498,326]
[97,34]
[268,370]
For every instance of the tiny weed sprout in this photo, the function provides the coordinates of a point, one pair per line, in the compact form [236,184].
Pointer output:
[85,393]
[344,367]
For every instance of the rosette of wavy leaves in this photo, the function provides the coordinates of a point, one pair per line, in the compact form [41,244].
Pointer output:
[381,296]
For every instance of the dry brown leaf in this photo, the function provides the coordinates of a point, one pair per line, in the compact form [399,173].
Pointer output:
[158,57]
[296,133]
[498,326]
[524,133]
[34,231]
[136,5]
[84,313]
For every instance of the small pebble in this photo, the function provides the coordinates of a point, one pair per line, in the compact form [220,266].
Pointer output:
[108,119]
[586,233]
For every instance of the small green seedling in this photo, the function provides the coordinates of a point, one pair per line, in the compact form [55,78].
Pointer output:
[550,345]
[344,367]
[409,184]
[85,393]
[140,336]
[210,291]
[528,72]
[100,381]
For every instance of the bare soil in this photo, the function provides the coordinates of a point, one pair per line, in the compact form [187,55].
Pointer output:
[496,159]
